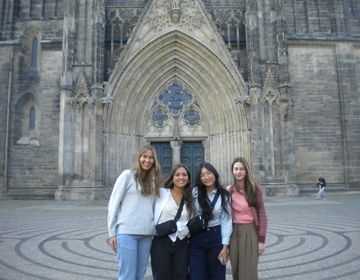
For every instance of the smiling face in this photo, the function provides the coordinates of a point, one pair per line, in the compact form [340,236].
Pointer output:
[239,172]
[181,178]
[207,178]
[147,160]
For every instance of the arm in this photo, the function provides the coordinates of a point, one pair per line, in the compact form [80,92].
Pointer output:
[261,212]
[113,243]
[226,230]
[118,193]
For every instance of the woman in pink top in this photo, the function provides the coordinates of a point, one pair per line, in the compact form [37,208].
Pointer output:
[247,241]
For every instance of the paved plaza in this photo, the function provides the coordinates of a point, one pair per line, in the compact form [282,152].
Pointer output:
[51,240]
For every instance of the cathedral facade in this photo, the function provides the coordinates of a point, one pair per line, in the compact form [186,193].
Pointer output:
[85,83]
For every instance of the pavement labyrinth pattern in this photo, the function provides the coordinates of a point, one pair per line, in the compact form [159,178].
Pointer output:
[57,240]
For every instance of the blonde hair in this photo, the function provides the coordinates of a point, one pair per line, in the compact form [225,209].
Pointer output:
[150,181]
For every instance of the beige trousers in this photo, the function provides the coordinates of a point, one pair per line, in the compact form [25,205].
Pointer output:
[244,252]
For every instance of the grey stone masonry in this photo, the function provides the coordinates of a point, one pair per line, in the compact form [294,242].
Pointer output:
[274,81]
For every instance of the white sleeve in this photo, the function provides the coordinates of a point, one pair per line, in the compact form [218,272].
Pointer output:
[226,225]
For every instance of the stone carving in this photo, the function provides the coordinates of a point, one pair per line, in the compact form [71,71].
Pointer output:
[183,14]
[107,100]
[242,99]
[82,94]
[175,11]
[271,94]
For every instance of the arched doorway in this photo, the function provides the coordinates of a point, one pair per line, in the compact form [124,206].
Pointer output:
[176,87]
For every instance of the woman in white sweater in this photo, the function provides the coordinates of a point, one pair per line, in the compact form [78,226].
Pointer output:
[130,214]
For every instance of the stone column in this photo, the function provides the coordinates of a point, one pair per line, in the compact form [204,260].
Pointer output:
[176,151]
[87,124]
[349,101]
[97,92]
[257,132]
[252,42]
[65,125]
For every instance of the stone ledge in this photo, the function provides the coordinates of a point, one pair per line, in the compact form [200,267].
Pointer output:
[79,193]
[281,190]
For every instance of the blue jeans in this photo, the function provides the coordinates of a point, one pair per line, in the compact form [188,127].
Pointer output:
[133,255]
[321,192]
[203,255]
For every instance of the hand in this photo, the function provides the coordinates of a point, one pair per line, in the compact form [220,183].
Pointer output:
[224,254]
[261,247]
[113,243]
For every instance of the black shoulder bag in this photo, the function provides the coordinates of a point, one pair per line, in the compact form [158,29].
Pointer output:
[198,223]
[170,226]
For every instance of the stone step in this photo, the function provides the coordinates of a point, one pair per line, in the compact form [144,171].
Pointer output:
[329,189]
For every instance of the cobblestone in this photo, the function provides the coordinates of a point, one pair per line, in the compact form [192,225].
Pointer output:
[52,240]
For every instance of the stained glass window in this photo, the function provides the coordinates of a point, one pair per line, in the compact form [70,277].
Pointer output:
[192,117]
[175,98]
[159,117]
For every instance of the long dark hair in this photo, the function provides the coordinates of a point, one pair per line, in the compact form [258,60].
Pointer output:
[202,193]
[169,184]
[250,185]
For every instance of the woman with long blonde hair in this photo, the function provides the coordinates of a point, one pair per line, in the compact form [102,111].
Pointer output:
[130,214]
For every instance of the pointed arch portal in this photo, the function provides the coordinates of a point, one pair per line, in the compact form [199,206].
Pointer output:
[135,87]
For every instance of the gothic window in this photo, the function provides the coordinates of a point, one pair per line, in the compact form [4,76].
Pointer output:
[177,102]
[34,53]
[32,118]
[159,117]
[26,121]
[175,98]
[126,31]
[351,7]
[17,9]
[192,117]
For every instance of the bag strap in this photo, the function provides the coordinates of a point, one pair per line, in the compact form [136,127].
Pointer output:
[212,204]
[181,206]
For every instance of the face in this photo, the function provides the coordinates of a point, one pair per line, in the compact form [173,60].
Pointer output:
[181,178]
[147,160]
[239,171]
[207,178]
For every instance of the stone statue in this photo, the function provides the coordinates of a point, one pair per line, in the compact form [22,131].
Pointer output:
[175,10]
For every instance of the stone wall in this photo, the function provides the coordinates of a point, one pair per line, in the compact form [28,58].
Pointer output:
[320,138]
[5,54]
[324,67]
[348,61]
[327,17]
[33,155]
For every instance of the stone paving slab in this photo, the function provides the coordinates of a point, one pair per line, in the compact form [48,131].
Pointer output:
[51,240]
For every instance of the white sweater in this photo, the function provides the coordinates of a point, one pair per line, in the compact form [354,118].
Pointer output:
[128,209]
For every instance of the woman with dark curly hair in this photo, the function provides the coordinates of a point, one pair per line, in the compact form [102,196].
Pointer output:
[208,251]
[169,251]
